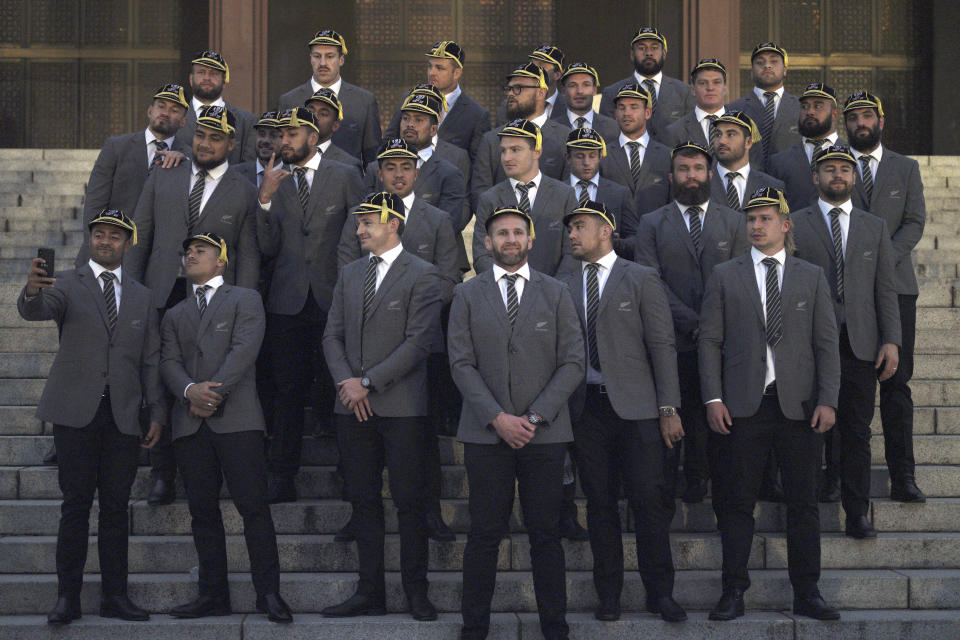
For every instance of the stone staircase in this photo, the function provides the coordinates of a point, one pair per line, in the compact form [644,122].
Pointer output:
[904,584]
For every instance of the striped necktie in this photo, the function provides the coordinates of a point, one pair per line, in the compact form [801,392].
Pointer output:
[774,312]
[766,125]
[513,303]
[650,86]
[817,145]
[196,197]
[303,189]
[867,176]
[733,198]
[581,121]
[714,132]
[201,294]
[110,298]
[524,201]
[696,227]
[584,192]
[837,247]
[635,163]
[370,283]
[593,306]
[159,145]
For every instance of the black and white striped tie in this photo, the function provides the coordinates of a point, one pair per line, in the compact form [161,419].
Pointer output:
[712,130]
[733,198]
[774,311]
[201,294]
[635,163]
[370,283]
[196,197]
[867,176]
[766,125]
[650,86]
[584,192]
[524,201]
[303,189]
[837,247]
[513,303]
[159,145]
[581,122]
[110,297]
[817,146]
[696,227]
[593,306]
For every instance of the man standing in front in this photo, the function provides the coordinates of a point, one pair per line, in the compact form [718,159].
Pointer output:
[770,375]
[516,354]
[384,315]
[735,176]
[625,418]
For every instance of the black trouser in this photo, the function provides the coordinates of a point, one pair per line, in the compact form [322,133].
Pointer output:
[444,413]
[296,357]
[94,459]
[896,401]
[206,459]
[745,450]
[161,455]
[608,448]
[492,471]
[848,450]
[364,448]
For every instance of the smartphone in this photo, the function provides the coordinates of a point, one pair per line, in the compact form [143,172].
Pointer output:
[48,256]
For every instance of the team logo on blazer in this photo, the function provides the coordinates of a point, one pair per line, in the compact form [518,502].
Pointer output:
[722,245]
[136,324]
[894,193]
[626,305]
[555,225]
[227,219]
[868,255]
[423,248]
[802,305]
[393,305]
[657,180]
[221,326]
[540,326]
[331,208]
[425,196]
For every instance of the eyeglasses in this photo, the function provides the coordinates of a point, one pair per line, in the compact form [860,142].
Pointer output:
[517,89]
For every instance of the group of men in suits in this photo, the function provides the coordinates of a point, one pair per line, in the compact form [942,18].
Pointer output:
[609,247]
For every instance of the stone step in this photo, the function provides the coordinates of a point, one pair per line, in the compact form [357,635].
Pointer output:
[927,450]
[16,420]
[18,391]
[57,188]
[936,393]
[940,319]
[937,292]
[23,365]
[40,213]
[698,590]
[936,367]
[56,224]
[38,338]
[41,238]
[25,253]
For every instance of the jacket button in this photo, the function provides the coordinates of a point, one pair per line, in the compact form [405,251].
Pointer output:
[306,233]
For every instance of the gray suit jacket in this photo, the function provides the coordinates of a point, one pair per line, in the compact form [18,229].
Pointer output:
[663,242]
[391,345]
[785,133]
[117,179]
[334,152]
[654,189]
[246,135]
[359,132]
[249,171]
[487,170]
[304,243]
[222,346]
[534,365]
[90,359]
[635,341]
[791,166]
[686,128]
[733,343]
[604,125]
[439,183]
[673,100]
[161,219]
[898,199]
[551,247]
[756,179]
[869,307]
[462,127]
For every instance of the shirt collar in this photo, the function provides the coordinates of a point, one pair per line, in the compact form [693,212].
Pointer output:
[335,87]
[595,180]
[588,116]
[433,142]
[552,99]
[644,140]
[98,269]
[657,79]
[452,97]
[260,168]
[757,91]
[606,261]
[540,120]
[535,180]
[312,164]
[832,138]
[744,172]
[426,153]
[876,153]
[214,174]
[758,256]
[523,272]
[825,207]
[390,255]
[214,283]
[701,114]
[216,103]
[703,206]
[408,203]
[324,146]
[149,137]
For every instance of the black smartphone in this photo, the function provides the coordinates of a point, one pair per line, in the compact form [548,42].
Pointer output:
[48,256]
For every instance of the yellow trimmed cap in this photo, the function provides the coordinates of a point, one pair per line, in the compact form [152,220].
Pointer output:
[531,71]
[819,90]
[268,119]
[706,64]
[767,197]
[118,219]
[521,128]
[548,53]
[838,151]
[211,239]
[634,91]
[297,117]
[580,67]
[173,93]
[771,47]
[384,203]
[863,100]
[690,144]
[592,208]
[742,119]
[327,96]
[511,211]
[217,117]
[427,89]
[587,138]
[396,148]
[650,33]
[213,60]
[422,103]
[329,37]
[449,50]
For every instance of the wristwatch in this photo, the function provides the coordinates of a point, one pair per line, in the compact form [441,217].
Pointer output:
[536,419]
[668,412]
[366,384]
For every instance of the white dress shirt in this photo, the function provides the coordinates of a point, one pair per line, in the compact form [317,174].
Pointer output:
[739,183]
[591,189]
[644,140]
[197,104]
[701,116]
[423,155]
[606,264]
[151,141]
[407,205]
[311,166]
[843,219]
[451,98]
[531,192]
[588,116]
[117,280]
[541,119]
[323,146]
[499,272]
[657,79]
[757,91]
[260,170]
[335,87]
[808,145]
[760,270]
[214,283]
[210,183]
[875,156]
[386,259]
[549,104]
[686,216]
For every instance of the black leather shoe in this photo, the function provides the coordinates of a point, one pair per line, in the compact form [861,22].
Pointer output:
[906,490]
[652,605]
[814,607]
[437,529]
[121,607]
[345,534]
[202,607]
[729,607]
[163,492]
[859,527]
[609,610]
[50,457]
[275,608]
[420,607]
[281,489]
[356,605]
[829,491]
[669,610]
[571,529]
[695,492]
[65,611]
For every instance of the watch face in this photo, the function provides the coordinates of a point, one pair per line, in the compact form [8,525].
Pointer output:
[364,382]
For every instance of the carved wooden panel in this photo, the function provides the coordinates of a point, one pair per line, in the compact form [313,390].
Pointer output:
[797,79]
[12,108]
[847,81]
[429,21]
[754,26]
[532,23]
[52,117]
[103,93]
[105,23]
[13,20]
[901,25]
[482,23]
[158,24]
[54,22]
[801,22]
[386,81]
[851,26]
[378,22]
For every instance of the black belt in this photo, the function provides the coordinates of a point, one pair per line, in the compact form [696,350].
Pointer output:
[597,388]
[771,390]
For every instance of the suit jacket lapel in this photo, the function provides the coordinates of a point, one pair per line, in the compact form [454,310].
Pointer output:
[884,169]
[619,159]
[223,188]
[680,227]
[613,281]
[425,178]
[393,274]
[491,291]
[415,219]
[821,229]
[574,280]
[531,291]
[320,177]
[139,143]
[454,112]
[86,275]
[184,186]
[749,277]
[222,292]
